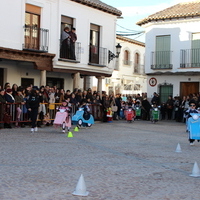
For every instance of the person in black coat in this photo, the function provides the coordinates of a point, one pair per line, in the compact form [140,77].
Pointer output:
[32,105]
[9,97]
[118,104]
[146,109]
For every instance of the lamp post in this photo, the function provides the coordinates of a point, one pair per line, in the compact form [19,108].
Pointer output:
[111,55]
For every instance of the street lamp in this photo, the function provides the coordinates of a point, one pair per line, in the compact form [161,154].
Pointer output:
[112,55]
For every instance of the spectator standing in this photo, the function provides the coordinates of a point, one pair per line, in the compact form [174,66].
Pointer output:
[67,94]
[19,98]
[146,109]
[9,97]
[2,106]
[170,105]
[118,104]
[155,99]
[14,89]
[78,96]
[65,46]
[73,38]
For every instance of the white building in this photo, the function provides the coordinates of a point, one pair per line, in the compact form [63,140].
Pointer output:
[30,39]
[172,54]
[128,76]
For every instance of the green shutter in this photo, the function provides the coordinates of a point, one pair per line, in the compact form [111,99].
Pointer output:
[195,51]
[162,54]
[165,91]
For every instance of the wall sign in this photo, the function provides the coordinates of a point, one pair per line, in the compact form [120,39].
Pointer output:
[152,82]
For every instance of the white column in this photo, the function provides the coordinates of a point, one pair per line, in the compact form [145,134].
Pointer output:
[43,77]
[99,84]
[76,80]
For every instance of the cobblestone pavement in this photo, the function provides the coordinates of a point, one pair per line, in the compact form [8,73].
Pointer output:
[119,161]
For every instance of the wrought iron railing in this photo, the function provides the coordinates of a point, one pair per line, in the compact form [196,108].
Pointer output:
[47,108]
[98,55]
[70,51]
[127,62]
[189,58]
[36,39]
[161,60]
[138,68]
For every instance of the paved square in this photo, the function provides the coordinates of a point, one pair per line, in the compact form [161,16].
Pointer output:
[119,161]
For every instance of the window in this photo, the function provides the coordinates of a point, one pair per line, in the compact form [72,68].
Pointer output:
[32,26]
[136,64]
[195,51]
[27,82]
[35,37]
[1,76]
[163,53]
[137,87]
[59,82]
[65,45]
[126,57]
[94,44]
[66,22]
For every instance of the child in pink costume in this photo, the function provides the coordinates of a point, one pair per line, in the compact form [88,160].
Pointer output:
[63,117]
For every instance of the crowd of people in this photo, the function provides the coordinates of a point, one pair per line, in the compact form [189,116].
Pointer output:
[32,96]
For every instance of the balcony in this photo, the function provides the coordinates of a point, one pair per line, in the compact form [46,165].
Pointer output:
[190,58]
[70,53]
[161,60]
[36,39]
[138,69]
[98,56]
[127,62]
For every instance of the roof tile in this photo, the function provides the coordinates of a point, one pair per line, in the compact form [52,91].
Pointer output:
[186,9]
[100,6]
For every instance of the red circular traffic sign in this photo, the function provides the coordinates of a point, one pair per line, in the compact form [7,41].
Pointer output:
[152,82]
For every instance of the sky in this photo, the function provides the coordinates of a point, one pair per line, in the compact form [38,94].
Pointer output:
[135,10]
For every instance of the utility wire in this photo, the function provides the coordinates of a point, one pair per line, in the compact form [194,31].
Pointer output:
[131,34]
[127,28]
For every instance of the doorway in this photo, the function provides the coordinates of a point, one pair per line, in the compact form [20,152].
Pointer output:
[25,82]
[59,82]
[1,77]
[165,91]
[187,88]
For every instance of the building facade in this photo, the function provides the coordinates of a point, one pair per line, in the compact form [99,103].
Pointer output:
[172,54]
[128,77]
[34,50]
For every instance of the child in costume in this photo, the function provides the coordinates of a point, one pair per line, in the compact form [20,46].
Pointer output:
[63,116]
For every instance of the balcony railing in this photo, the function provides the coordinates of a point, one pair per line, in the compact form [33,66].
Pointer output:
[36,39]
[70,51]
[138,68]
[161,60]
[98,55]
[189,58]
[11,108]
[127,62]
